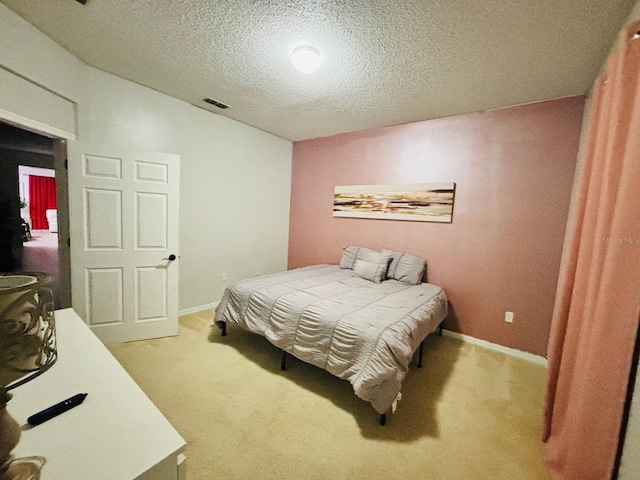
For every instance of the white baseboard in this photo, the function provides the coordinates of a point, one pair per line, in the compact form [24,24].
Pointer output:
[540,360]
[199,308]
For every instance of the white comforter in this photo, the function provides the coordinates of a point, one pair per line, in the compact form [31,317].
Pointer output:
[358,330]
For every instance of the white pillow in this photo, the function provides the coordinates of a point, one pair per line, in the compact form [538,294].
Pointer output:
[348,257]
[351,254]
[374,272]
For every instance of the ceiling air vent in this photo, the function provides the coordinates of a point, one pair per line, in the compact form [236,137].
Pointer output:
[216,103]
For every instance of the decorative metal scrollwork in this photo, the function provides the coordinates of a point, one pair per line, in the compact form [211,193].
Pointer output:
[27,332]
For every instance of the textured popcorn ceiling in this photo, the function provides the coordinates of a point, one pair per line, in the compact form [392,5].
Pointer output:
[386,62]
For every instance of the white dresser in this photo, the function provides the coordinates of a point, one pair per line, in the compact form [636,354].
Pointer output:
[116,434]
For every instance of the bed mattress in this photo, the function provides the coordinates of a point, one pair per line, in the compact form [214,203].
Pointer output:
[358,330]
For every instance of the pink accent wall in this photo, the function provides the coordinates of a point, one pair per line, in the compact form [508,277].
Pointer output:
[513,170]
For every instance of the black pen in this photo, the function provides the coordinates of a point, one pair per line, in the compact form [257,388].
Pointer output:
[57,409]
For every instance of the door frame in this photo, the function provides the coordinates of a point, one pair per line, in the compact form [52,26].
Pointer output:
[60,138]
[62,198]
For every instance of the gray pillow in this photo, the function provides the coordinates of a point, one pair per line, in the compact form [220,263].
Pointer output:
[374,272]
[405,267]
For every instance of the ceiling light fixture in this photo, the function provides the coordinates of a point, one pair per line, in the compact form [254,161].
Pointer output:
[306,59]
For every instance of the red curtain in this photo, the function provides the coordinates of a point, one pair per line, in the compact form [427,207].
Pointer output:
[595,319]
[42,197]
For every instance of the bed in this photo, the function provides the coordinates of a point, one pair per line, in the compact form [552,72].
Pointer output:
[362,320]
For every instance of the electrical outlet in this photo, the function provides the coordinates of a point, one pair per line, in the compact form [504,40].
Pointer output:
[224,277]
[508,317]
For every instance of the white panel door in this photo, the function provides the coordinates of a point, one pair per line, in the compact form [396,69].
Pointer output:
[123,209]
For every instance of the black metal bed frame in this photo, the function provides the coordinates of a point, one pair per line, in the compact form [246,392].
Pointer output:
[283,360]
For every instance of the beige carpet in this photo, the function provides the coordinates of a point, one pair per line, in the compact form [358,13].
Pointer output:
[468,413]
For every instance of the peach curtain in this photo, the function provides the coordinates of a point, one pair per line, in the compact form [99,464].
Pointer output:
[595,319]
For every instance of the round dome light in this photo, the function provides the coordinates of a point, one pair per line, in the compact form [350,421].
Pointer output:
[306,59]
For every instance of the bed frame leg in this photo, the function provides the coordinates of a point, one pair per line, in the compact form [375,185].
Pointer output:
[383,419]
[283,361]
[420,354]
[224,329]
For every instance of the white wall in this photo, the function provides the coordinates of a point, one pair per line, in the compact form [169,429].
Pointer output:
[31,105]
[55,76]
[635,13]
[235,179]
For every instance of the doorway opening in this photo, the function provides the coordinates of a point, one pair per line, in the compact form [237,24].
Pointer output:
[31,172]
[39,217]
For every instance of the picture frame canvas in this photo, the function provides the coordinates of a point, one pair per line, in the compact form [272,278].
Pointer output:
[419,202]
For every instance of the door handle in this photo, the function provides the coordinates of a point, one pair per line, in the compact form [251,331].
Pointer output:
[171,257]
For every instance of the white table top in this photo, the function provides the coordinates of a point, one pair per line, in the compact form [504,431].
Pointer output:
[117,433]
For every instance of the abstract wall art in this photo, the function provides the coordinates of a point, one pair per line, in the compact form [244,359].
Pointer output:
[422,202]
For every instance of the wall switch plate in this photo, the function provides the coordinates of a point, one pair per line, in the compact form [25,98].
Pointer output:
[224,277]
[508,317]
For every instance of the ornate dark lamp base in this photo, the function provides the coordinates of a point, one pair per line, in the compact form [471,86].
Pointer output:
[10,469]
[27,349]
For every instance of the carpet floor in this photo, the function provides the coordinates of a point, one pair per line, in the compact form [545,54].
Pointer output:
[469,413]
